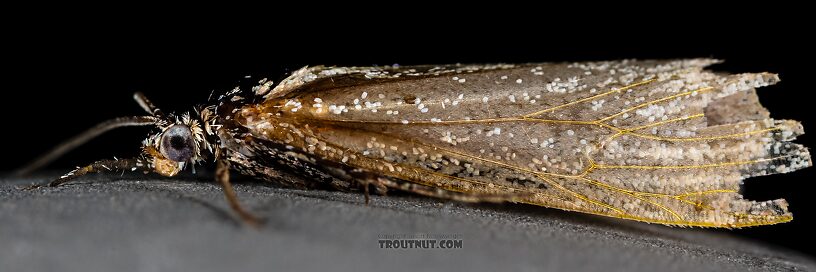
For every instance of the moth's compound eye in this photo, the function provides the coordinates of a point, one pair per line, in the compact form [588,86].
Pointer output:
[177,143]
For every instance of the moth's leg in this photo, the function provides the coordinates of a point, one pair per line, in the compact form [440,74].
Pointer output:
[365,181]
[222,175]
[114,165]
[365,184]
[445,194]
[84,137]
[381,189]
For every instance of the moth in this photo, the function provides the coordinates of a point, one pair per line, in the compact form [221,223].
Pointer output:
[658,141]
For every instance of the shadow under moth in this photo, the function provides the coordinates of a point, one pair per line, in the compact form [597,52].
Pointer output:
[656,141]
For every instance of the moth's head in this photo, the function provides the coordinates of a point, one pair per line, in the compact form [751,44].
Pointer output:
[179,143]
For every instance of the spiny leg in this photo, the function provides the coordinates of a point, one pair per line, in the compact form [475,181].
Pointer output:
[98,166]
[222,175]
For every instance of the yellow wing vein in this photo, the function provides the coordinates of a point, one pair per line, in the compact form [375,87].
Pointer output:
[613,90]
[581,196]
[619,131]
[712,165]
[622,215]
[633,194]
[598,122]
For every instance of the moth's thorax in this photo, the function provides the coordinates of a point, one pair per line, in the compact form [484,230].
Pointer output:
[271,121]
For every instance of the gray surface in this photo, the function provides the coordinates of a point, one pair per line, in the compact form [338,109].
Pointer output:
[134,224]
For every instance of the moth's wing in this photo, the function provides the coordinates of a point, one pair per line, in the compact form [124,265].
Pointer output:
[655,141]
[319,78]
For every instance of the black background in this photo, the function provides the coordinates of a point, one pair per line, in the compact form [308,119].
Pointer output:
[69,74]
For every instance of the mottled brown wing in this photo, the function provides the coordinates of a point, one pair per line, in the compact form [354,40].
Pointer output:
[656,141]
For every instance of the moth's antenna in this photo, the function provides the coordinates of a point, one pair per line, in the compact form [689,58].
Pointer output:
[84,137]
[147,105]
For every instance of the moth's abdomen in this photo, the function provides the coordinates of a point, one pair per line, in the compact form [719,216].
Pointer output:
[662,142]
